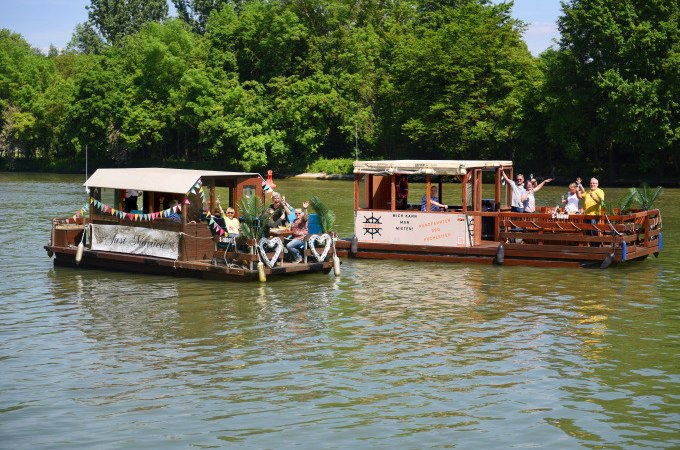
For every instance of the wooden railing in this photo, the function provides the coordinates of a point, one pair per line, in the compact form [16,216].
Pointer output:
[630,235]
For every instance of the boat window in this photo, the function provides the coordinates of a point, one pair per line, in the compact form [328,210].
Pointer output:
[108,197]
[249,190]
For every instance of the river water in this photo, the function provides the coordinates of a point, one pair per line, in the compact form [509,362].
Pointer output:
[388,355]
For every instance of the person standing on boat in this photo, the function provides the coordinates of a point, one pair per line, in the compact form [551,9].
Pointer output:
[573,196]
[130,202]
[299,230]
[278,211]
[532,187]
[434,201]
[519,194]
[593,204]
[593,198]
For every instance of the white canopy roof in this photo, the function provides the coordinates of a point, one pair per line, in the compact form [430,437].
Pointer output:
[425,167]
[177,181]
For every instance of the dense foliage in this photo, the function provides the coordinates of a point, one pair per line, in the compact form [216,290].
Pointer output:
[255,84]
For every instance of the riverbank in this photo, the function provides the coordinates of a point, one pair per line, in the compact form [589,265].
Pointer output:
[559,180]
[666,183]
[321,176]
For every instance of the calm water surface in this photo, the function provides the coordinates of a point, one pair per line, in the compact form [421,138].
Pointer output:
[389,355]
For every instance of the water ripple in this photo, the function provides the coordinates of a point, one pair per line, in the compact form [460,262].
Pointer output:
[390,355]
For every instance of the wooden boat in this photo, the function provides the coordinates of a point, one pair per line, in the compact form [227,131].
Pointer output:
[475,229]
[185,239]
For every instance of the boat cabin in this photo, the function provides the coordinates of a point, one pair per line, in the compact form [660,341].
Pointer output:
[388,210]
[459,211]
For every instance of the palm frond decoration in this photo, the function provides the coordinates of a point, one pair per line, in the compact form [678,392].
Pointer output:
[626,202]
[646,196]
[326,216]
[607,208]
[253,217]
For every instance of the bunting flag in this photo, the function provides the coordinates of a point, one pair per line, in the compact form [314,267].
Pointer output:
[266,188]
[106,209]
[197,189]
[77,215]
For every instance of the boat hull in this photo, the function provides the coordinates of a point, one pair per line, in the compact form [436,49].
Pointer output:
[215,268]
[538,255]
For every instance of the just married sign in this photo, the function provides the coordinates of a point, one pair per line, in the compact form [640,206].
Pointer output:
[135,240]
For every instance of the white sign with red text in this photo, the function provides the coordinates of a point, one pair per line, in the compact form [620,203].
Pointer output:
[412,228]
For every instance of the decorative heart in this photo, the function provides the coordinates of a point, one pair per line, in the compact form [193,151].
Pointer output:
[323,239]
[270,243]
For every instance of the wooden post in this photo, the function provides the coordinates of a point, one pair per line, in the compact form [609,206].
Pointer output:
[477,201]
[440,188]
[464,181]
[357,178]
[427,194]
[497,201]
[647,230]
[91,204]
[393,194]
[497,190]
[508,189]
[121,196]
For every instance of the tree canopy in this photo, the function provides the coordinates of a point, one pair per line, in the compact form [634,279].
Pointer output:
[256,84]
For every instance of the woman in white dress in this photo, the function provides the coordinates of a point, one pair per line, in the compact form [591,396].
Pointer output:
[573,196]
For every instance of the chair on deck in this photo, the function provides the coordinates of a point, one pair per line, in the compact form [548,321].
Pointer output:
[222,241]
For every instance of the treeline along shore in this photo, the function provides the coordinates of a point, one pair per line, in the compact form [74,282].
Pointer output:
[291,86]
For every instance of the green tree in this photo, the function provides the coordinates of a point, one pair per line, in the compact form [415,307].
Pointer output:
[27,99]
[85,40]
[115,19]
[197,12]
[612,91]
[459,76]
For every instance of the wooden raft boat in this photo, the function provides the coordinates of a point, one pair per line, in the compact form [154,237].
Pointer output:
[474,229]
[184,240]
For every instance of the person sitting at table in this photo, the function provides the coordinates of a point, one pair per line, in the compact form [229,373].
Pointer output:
[231,223]
[434,201]
[298,232]
[278,211]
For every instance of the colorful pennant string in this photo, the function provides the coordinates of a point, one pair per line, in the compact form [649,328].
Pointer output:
[197,189]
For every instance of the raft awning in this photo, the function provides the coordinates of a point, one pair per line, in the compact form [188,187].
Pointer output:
[158,179]
[425,167]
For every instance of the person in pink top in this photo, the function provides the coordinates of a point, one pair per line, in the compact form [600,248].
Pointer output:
[298,232]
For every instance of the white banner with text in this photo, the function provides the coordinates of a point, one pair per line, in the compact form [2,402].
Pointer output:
[412,228]
[135,241]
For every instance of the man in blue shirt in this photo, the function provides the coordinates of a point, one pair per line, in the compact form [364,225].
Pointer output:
[434,201]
